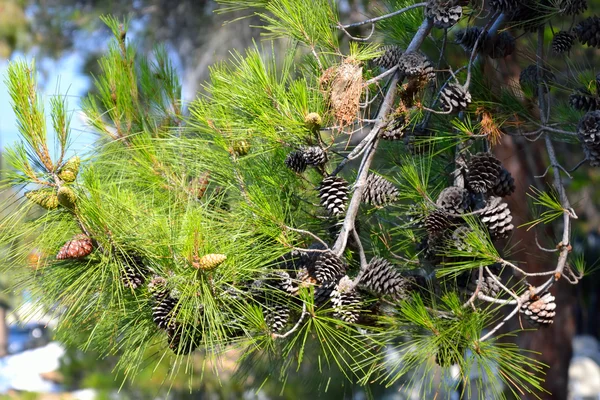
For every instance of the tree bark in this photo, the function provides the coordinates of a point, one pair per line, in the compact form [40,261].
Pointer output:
[554,343]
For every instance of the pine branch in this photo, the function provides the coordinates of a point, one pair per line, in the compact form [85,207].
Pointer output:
[371,144]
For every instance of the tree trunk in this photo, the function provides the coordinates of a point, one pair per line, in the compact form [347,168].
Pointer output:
[524,161]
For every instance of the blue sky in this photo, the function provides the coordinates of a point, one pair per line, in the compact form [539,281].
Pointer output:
[63,77]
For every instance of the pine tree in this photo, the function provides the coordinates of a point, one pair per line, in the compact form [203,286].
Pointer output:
[243,223]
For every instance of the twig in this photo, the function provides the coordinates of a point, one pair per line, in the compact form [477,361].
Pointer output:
[474,51]
[579,164]
[564,245]
[356,38]
[477,289]
[302,231]
[509,316]
[295,327]
[489,299]
[361,251]
[522,272]
[501,323]
[381,18]
[381,76]
[543,248]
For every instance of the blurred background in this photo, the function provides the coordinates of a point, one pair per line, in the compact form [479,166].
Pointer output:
[65,37]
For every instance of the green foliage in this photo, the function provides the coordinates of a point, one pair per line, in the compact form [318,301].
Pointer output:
[162,190]
[547,201]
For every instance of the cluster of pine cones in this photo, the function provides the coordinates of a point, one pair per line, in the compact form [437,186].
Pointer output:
[333,290]
[487,182]
[182,339]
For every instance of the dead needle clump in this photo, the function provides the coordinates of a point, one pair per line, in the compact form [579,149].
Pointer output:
[342,87]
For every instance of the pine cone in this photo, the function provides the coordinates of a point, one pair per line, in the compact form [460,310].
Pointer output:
[540,311]
[528,79]
[323,292]
[489,286]
[68,172]
[430,250]
[437,222]
[530,15]
[45,198]
[453,200]
[382,278]
[504,6]
[583,100]
[467,37]
[497,218]
[134,275]
[296,161]
[483,172]
[183,339]
[208,262]
[414,64]
[328,268]
[562,42]
[502,46]
[389,58]
[459,238]
[334,194]
[588,132]
[395,129]
[78,247]
[444,13]
[276,317]
[454,98]
[280,281]
[314,155]
[505,185]
[66,197]
[164,304]
[588,31]
[572,7]
[379,191]
[346,301]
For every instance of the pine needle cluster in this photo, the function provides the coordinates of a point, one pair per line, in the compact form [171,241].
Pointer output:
[257,220]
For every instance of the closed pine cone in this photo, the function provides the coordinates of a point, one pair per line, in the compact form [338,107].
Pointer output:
[583,100]
[382,278]
[379,191]
[78,247]
[588,132]
[296,161]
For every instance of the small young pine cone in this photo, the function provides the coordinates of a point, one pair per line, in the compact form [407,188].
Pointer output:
[78,247]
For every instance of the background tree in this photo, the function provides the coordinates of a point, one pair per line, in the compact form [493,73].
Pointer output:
[257,116]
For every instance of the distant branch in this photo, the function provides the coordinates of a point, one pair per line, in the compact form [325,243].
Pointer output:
[381,18]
